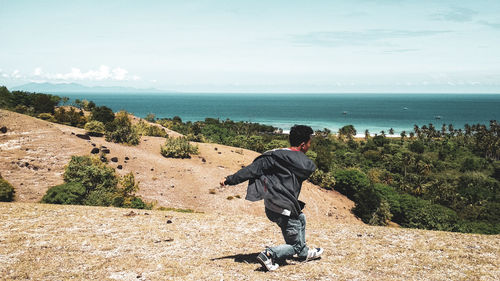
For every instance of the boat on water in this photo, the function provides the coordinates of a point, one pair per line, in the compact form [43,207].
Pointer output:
[437,117]
[405,108]
[345,112]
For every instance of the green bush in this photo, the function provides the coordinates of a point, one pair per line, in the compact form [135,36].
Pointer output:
[7,191]
[71,117]
[325,180]
[178,148]
[91,173]
[91,182]
[383,215]
[46,116]
[72,193]
[367,202]
[120,130]
[95,128]
[420,213]
[145,129]
[102,114]
[350,181]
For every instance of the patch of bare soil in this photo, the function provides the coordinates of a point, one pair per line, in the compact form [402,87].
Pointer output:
[54,242]
[33,154]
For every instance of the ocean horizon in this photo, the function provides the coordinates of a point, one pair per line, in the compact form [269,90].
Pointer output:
[372,112]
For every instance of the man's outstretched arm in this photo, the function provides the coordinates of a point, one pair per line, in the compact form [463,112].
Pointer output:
[252,171]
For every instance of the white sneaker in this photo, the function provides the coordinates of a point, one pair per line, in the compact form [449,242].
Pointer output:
[314,253]
[267,262]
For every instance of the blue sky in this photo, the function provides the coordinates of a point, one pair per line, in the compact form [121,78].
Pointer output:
[254,46]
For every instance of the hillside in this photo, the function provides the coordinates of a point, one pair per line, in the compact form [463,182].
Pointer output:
[33,154]
[53,242]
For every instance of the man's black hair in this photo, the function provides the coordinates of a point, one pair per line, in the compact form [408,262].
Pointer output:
[300,134]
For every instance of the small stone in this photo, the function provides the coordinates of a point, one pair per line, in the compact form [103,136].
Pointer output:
[152,169]
[219,152]
[114,159]
[3,129]
[119,167]
[169,221]
[126,158]
[94,150]
[105,150]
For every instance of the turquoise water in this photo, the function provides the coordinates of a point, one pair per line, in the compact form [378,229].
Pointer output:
[375,112]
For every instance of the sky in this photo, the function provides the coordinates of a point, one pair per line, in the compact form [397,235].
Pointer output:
[254,46]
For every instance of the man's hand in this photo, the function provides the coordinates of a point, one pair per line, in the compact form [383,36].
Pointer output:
[222,182]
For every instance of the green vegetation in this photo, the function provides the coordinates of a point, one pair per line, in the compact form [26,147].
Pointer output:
[145,129]
[27,103]
[120,130]
[178,148]
[95,128]
[102,114]
[72,193]
[7,191]
[441,180]
[251,136]
[88,181]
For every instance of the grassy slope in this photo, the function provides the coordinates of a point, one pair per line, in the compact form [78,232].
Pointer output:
[49,242]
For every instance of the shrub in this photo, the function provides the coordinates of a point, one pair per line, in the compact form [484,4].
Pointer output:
[7,191]
[367,203]
[91,182]
[102,114]
[383,215]
[120,130]
[72,193]
[325,180]
[178,148]
[413,212]
[71,117]
[145,129]
[91,173]
[350,181]
[46,116]
[95,128]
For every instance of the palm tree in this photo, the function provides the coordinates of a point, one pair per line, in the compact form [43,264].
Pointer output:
[443,130]
[451,130]
[403,136]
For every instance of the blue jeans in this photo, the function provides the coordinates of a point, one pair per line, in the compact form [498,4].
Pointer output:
[294,232]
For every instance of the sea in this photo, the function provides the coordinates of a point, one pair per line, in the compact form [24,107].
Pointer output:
[372,112]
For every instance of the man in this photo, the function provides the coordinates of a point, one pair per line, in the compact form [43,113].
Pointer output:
[276,176]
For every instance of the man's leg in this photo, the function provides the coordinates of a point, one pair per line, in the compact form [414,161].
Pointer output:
[293,231]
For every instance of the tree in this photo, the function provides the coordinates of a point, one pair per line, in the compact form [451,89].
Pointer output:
[102,114]
[347,131]
[403,136]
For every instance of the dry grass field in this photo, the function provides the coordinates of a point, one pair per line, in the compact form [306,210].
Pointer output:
[51,242]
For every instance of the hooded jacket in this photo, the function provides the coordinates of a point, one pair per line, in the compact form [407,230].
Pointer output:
[276,176]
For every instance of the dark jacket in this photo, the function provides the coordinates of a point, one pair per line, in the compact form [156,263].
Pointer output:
[276,176]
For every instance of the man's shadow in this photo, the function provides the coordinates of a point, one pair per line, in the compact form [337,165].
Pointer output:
[249,259]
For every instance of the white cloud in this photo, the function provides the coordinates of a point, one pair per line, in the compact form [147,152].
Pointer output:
[104,72]
[16,74]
